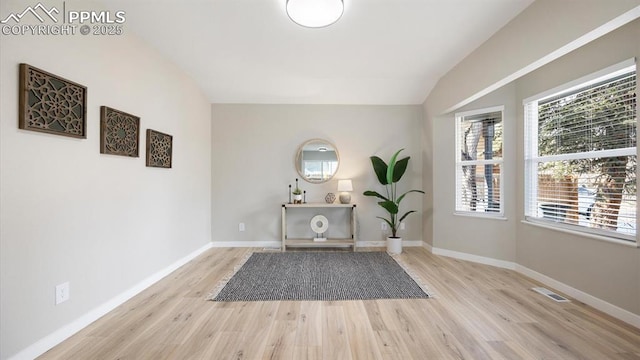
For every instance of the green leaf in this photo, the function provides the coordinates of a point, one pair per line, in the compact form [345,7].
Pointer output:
[390,206]
[391,167]
[400,168]
[392,226]
[405,215]
[387,220]
[374,193]
[403,195]
[380,167]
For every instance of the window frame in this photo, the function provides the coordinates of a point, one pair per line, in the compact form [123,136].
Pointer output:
[532,157]
[459,164]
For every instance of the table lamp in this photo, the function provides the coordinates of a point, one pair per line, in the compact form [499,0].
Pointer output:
[344,187]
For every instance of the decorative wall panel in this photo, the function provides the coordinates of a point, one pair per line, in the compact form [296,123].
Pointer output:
[119,132]
[159,149]
[51,104]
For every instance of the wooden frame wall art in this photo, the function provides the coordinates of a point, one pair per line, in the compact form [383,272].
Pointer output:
[51,104]
[159,149]
[119,132]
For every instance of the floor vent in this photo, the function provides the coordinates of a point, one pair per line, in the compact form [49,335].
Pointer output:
[550,294]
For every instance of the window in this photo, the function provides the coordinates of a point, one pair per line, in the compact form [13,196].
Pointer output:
[320,169]
[580,154]
[479,162]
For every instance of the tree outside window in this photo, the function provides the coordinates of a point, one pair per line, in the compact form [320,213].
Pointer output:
[582,161]
[479,162]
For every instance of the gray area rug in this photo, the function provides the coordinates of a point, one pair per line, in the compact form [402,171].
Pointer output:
[325,276]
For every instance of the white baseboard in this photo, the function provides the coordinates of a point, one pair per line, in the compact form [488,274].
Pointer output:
[276,244]
[43,345]
[608,308]
[412,243]
[427,246]
[241,244]
[474,258]
[380,243]
[616,312]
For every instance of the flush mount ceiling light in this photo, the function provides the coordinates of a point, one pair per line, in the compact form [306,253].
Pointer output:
[315,13]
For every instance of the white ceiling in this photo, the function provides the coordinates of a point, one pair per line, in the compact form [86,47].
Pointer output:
[380,52]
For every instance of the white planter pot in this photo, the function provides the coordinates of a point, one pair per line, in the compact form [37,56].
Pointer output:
[394,245]
[297,199]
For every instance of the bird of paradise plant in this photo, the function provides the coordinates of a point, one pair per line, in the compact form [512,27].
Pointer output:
[389,176]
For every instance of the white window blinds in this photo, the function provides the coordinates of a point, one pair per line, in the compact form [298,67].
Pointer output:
[580,156]
[479,164]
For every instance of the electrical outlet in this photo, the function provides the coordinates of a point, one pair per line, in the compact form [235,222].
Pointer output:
[383,226]
[241,227]
[402,226]
[62,293]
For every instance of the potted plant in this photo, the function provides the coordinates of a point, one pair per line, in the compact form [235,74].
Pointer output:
[297,196]
[389,176]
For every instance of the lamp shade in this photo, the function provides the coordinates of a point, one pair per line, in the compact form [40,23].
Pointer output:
[315,13]
[345,185]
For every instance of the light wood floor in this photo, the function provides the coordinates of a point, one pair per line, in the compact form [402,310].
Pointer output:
[479,312]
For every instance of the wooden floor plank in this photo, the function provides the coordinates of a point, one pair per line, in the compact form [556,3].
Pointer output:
[478,312]
[362,338]
[335,341]
[309,334]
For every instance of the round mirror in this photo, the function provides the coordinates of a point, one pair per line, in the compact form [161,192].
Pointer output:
[317,161]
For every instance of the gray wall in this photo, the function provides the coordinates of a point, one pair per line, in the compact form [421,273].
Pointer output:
[544,31]
[253,153]
[102,222]
[488,237]
[605,270]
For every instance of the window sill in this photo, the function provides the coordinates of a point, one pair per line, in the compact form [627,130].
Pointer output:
[481,215]
[608,239]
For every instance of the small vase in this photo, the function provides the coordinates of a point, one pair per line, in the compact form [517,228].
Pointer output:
[297,199]
[330,198]
[394,245]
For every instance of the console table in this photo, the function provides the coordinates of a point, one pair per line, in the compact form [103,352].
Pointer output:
[347,242]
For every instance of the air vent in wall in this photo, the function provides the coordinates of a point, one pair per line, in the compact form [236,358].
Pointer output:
[550,294]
